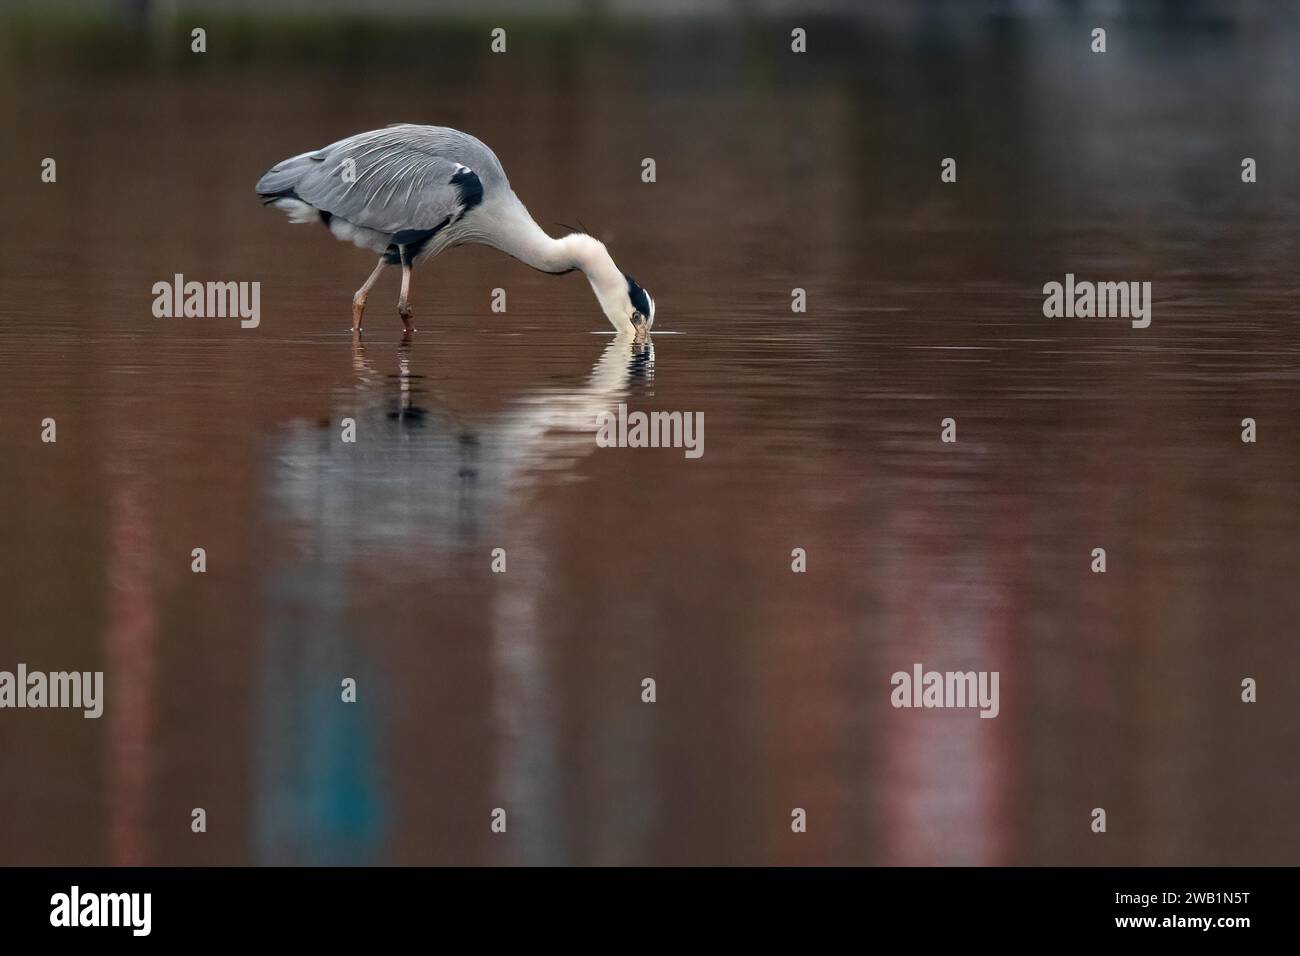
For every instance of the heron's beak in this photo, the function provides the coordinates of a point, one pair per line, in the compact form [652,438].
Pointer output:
[639,327]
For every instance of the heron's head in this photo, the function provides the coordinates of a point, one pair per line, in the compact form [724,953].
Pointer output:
[628,307]
[635,308]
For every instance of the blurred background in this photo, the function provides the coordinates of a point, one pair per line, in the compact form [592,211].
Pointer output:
[775,171]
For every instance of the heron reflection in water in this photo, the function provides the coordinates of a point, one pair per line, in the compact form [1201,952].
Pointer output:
[425,492]
[421,470]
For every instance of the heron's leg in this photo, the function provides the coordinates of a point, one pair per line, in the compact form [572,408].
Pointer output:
[404,300]
[359,300]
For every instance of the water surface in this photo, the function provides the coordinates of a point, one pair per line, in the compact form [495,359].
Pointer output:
[523,690]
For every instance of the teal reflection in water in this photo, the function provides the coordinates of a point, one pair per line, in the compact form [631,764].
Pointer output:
[318,793]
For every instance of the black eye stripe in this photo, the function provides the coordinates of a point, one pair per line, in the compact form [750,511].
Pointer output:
[640,301]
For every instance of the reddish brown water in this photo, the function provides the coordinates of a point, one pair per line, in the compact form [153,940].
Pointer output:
[523,690]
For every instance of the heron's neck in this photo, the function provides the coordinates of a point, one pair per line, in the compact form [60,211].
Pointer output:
[574,251]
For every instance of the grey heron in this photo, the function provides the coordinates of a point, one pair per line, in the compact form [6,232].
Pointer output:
[408,192]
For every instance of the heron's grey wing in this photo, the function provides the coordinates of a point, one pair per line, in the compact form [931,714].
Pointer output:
[389,181]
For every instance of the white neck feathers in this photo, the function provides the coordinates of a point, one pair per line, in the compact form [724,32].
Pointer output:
[532,246]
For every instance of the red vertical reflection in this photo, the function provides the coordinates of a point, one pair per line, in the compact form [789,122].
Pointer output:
[129,673]
[948,773]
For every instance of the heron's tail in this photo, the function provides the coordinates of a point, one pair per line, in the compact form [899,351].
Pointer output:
[284,176]
[278,187]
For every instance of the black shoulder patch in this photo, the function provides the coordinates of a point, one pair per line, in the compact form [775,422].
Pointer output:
[640,301]
[413,241]
[470,187]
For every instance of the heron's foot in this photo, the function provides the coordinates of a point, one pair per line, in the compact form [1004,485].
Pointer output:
[406,312]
